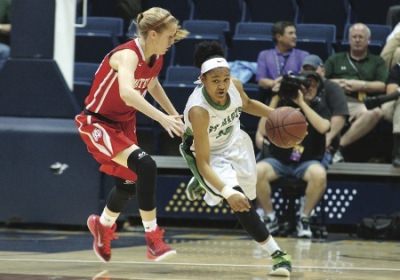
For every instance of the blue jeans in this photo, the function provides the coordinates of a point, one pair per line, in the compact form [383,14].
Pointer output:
[296,170]
[4,54]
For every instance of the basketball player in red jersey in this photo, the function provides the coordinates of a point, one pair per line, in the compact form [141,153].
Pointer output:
[107,125]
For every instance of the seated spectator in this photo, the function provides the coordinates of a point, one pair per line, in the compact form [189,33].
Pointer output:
[272,64]
[302,162]
[336,102]
[392,111]
[5,28]
[359,73]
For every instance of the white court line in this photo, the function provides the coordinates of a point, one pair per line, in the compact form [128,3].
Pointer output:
[200,264]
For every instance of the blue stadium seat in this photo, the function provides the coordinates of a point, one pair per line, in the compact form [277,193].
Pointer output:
[232,11]
[181,75]
[316,38]
[97,38]
[335,12]
[181,9]
[374,12]
[248,48]
[379,34]
[201,27]
[319,47]
[261,10]
[84,71]
[256,30]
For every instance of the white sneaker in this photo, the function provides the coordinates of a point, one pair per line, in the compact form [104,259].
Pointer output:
[337,157]
[303,228]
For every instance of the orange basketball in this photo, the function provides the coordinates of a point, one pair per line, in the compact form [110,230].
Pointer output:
[286,127]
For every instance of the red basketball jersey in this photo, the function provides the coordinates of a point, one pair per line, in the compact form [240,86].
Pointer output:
[104,97]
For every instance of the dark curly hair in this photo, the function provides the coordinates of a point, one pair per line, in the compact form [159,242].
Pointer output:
[206,50]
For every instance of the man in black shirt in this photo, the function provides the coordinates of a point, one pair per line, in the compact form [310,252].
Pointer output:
[303,161]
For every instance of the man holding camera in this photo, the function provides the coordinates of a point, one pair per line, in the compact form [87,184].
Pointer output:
[302,161]
[336,102]
[359,73]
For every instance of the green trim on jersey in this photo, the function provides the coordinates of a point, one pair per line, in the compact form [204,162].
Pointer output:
[213,104]
[190,159]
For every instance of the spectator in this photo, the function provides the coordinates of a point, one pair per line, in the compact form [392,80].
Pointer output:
[272,64]
[360,74]
[302,162]
[336,102]
[5,28]
[392,111]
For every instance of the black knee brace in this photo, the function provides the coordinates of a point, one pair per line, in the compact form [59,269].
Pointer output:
[121,193]
[146,170]
[251,222]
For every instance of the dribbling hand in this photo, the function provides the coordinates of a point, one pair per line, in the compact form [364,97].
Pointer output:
[239,203]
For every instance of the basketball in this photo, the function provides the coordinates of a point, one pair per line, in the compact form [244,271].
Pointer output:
[286,127]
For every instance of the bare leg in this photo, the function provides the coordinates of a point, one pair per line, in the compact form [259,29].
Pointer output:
[265,174]
[315,176]
[361,126]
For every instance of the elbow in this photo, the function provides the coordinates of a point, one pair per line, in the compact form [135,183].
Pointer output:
[325,127]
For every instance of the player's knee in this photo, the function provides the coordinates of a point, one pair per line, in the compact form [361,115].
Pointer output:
[316,173]
[141,163]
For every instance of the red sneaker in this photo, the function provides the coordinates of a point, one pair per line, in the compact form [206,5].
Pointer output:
[157,249]
[102,237]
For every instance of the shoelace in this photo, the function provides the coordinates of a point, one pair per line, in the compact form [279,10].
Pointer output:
[109,235]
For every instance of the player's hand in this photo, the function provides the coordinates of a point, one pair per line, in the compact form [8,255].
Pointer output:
[172,124]
[239,203]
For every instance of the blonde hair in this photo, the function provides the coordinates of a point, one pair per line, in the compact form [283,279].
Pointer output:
[157,19]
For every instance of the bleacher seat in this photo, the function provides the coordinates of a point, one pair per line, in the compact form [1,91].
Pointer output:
[232,11]
[256,30]
[261,10]
[372,12]
[336,12]
[181,9]
[84,71]
[201,27]
[316,38]
[379,34]
[99,36]
[248,48]
[181,75]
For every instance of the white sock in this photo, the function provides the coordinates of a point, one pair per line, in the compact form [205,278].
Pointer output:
[107,220]
[150,225]
[270,246]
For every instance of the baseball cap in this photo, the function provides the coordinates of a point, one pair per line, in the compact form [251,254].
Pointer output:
[313,61]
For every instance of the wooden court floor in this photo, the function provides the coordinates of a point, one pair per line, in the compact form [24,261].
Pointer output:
[202,254]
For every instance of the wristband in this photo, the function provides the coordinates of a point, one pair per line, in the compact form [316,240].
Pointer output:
[228,191]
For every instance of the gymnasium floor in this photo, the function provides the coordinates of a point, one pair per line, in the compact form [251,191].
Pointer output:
[202,254]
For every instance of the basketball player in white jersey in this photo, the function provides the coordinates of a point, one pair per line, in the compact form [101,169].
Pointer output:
[219,154]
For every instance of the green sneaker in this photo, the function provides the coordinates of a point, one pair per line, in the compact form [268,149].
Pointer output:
[193,190]
[282,265]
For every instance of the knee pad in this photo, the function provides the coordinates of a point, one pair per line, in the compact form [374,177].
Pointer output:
[146,170]
[120,194]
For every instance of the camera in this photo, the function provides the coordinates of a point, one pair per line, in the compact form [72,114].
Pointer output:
[376,101]
[290,85]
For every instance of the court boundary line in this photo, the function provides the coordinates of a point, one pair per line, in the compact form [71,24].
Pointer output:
[354,268]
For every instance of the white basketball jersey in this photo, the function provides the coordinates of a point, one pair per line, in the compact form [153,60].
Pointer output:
[224,123]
